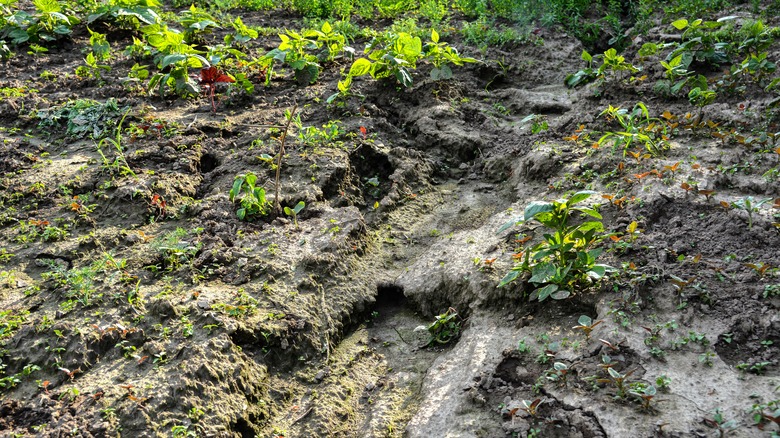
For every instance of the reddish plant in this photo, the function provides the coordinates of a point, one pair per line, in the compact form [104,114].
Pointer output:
[209,78]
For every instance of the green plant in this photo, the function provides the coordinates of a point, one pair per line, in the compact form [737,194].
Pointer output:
[751,206]
[49,22]
[441,55]
[444,329]
[618,380]
[719,423]
[83,117]
[644,392]
[176,249]
[611,63]
[636,126]
[565,260]
[251,197]
[119,165]
[586,324]
[293,212]
[173,56]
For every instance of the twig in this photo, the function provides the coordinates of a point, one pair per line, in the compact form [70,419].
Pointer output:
[277,203]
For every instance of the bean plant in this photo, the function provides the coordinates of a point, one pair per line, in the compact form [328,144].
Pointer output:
[565,260]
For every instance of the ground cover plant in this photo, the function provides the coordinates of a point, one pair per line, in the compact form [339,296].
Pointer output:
[389,218]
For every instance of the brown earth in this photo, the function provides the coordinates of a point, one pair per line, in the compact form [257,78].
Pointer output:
[265,328]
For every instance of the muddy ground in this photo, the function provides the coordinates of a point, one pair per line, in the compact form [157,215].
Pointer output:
[198,324]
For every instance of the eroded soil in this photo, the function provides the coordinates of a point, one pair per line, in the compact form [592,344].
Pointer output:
[219,327]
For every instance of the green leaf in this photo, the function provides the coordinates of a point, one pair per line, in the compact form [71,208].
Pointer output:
[590,212]
[509,277]
[326,29]
[241,213]
[585,320]
[509,224]
[597,272]
[360,67]
[299,206]
[251,179]
[172,59]
[680,24]
[542,293]
[535,208]
[434,36]
[580,196]
[442,73]
[542,273]
[236,190]
[560,295]
[586,56]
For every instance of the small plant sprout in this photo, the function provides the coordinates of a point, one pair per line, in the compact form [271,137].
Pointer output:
[294,212]
[253,202]
[750,205]
[644,392]
[618,380]
[586,324]
[719,423]
[530,407]
[209,78]
[444,329]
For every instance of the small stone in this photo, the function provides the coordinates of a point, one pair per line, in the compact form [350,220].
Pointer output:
[370,387]
[204,304]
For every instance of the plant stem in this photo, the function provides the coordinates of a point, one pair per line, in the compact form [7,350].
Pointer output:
[277,203]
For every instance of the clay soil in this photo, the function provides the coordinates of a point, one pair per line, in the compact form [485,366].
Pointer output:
[196,323]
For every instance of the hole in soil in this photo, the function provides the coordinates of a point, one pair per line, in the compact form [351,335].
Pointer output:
[244,429]
[208,162]
[389,295]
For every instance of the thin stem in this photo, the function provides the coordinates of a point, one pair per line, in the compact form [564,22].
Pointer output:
[277,203]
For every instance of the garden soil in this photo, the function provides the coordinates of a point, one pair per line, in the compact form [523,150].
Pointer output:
[311,327]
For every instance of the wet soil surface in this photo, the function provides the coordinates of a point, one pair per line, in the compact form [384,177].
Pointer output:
[136,303]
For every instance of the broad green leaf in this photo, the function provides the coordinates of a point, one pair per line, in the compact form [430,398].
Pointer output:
[580,196]
[326,29]
[542,293]
[509,277]
[360,67]
[560,295]
[584,320]
[542,273]
[597,272]
[535,208]
[586,56]
[299,206]
[591,225]
[434,36]
[509,224]
[172,59]
[680,24]
[251,179]
[590,212]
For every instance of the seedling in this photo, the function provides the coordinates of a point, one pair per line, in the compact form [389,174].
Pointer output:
[444,329]
[618,380]
[293,212]
[586,324]
[645,392]
[209,78]
[530,407]
[253,201]
[721,424]
[751,206]
[559,373]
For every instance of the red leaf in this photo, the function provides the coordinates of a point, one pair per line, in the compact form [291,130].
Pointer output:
[212,75]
